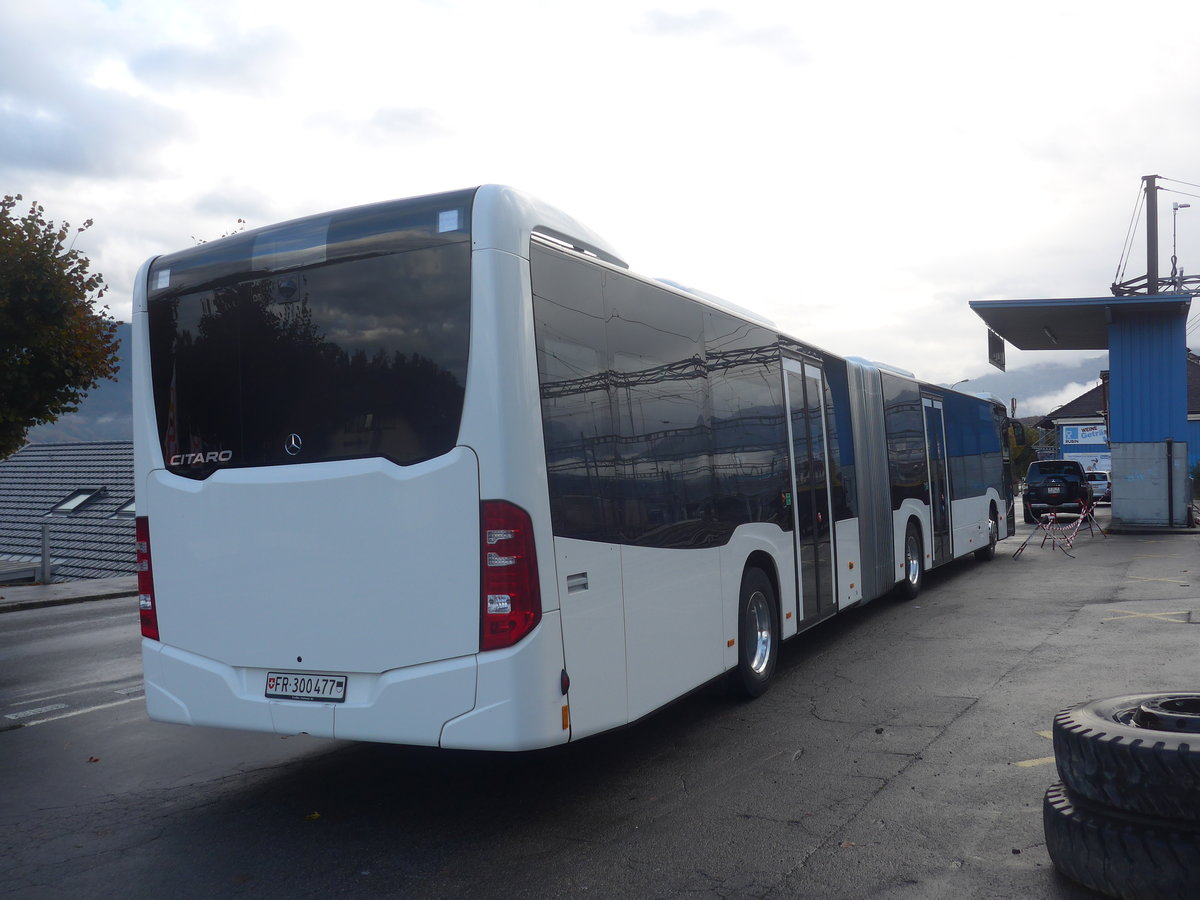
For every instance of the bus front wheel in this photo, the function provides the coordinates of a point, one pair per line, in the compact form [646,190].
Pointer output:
[758,634]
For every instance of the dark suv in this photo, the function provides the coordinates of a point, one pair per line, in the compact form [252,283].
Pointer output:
[1055,485]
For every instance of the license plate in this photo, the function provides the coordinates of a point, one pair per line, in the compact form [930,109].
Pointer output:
[306,686]
[1053,490]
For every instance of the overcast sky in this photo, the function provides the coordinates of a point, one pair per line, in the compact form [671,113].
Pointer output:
[858,172]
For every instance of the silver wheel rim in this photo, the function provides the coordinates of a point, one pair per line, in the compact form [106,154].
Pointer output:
[912,559]
[758,617]
[993,531]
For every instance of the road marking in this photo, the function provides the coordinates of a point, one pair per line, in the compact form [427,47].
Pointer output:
[80,712]
[33,712]
[1041,760]
[1161,616]
[1030,763]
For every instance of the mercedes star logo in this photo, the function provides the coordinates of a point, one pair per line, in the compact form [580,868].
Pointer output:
[293,444]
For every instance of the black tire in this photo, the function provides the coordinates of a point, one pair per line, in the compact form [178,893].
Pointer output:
[1119,855]
[914,563]
[984,554]
[758,635]
[1029,519]
[1134,753]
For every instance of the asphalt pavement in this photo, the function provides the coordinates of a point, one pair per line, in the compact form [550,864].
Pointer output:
[34,596]
[902,753]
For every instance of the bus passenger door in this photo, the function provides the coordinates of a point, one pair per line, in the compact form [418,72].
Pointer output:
[939,479]
[813,516]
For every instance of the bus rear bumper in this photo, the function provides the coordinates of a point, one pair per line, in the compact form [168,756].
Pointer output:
[402,706]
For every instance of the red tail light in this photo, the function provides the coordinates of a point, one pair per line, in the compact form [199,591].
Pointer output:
[145,578]
[511,602]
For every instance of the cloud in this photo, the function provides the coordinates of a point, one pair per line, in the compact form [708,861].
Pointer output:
[54,118]
[702,21]
[776,39]
[387,123]
[95,132]
[226,60]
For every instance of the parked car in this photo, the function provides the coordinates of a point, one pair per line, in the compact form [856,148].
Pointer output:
[1101,486]
[1055,485]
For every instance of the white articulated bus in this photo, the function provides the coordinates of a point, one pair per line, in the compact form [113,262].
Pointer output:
[443,471]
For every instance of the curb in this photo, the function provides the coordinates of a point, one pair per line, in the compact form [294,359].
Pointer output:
[42,603]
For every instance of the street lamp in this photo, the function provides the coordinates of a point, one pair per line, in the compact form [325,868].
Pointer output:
[1176,273]
[957,383]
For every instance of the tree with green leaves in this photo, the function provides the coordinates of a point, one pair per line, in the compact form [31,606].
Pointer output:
[55,344]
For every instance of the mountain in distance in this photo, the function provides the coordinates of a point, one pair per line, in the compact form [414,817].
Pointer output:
[1041,388]
[106,414]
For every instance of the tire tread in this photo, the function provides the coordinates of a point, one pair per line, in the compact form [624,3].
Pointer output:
[1118,855]
[1151,773]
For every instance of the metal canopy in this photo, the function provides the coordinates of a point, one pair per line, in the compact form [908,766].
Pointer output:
[1079,324]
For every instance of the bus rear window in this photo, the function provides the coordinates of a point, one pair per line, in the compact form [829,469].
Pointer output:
[330,338]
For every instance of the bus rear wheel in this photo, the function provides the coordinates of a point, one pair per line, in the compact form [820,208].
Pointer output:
[758,634]
[983,554]
[914,563]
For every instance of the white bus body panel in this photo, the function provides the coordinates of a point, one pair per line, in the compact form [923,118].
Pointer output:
[302,563]
[849,562]
[673,624]
[972,513]
[503,219]
[643,626]
[321,555]
[407,705]
[519,703]
[593,627]
[503,401]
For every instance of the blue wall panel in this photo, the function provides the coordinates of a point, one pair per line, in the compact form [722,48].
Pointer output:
[1148,380]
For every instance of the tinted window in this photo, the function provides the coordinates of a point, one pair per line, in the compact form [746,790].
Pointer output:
[664,460]
[1064,467]
[844,491]
[663,420]
[577,406]
[973,443]
[335,337]
[749,431]
[905,424]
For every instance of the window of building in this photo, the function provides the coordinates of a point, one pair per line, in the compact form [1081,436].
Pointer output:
[76,501]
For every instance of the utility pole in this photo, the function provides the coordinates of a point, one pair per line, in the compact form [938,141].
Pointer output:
[1150,282]
[1150,182]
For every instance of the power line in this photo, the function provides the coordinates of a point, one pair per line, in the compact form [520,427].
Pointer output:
[1128,245]
[1180,193]
[1177,181]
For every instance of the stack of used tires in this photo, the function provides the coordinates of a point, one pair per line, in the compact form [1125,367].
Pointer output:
[1125,817]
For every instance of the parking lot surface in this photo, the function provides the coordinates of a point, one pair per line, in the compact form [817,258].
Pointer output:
[902,752]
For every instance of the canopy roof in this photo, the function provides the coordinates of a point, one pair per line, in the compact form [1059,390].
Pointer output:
[1069,324]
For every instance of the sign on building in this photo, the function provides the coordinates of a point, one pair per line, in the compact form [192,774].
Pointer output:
[1084,434]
